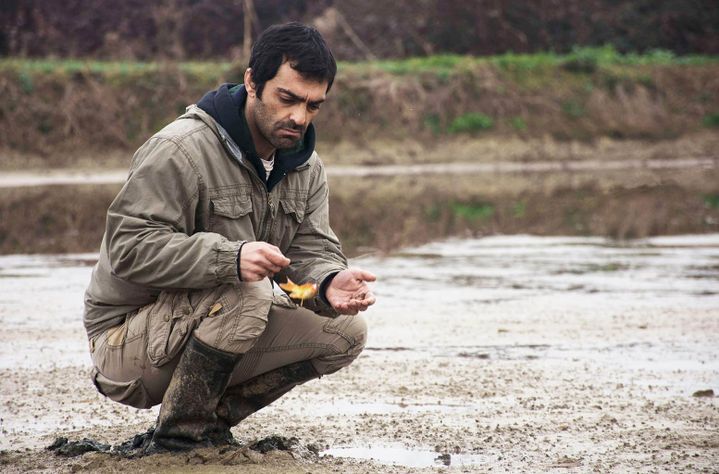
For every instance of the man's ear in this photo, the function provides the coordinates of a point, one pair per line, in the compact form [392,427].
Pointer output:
[249,83]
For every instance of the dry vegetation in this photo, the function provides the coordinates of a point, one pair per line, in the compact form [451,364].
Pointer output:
[52,109]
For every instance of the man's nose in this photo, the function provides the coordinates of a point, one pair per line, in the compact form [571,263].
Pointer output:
[299,115]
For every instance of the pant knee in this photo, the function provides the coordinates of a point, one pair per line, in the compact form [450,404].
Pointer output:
[357,330]
[354,334]
[238,317]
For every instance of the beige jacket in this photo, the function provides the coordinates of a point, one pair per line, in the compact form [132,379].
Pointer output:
[189,202]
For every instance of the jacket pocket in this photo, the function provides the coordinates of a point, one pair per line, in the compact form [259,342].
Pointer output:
[168,327]
[132,393]
[231,216]
[293,207]
[290,216]
[232,207]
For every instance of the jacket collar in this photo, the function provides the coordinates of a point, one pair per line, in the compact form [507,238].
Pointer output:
[226,106]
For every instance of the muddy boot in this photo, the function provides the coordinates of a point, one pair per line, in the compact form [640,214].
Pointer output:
[187,417]
[240,401]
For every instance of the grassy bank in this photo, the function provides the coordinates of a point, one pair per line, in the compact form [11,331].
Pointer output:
[381,214]
[53,108]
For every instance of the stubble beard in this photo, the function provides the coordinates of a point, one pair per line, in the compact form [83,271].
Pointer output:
[270,130]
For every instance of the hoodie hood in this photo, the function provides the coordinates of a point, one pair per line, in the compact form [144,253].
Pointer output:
[226,106]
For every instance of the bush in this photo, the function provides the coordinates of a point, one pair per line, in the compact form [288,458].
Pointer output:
[471,122]
[711,120]
[473,211]
[518,123]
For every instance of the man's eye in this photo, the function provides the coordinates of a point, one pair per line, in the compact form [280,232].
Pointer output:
[286,100]
[314,107]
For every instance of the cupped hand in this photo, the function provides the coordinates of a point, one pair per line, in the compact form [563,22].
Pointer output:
[348,292]
[259,260]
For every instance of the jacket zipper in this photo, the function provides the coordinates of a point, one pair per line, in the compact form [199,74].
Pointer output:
[266,230]
[268,208]
[268,215]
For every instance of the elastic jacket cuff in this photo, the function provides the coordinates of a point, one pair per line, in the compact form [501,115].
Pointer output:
[239,251]
[226,265]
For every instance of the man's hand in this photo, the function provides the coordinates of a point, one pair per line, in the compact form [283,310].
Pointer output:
[348,292]
[259,260]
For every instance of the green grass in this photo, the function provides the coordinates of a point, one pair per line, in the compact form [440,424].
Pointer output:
[442,64]
[470,123]
[581,58]
[711,120]
[26,83]
[573,108]
[588,59]
[473,211]
[519,210]
[432,123]
[110,69]
[518,123]
[711,201]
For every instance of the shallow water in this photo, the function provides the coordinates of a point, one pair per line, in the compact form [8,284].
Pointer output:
[431,282]
[494,300]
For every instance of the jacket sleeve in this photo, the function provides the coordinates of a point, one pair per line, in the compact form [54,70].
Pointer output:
[315,251]
[150,225]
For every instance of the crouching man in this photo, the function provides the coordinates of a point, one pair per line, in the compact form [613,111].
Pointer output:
[181,308]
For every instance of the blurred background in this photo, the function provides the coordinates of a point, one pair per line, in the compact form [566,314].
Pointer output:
[521,175]
[544,117]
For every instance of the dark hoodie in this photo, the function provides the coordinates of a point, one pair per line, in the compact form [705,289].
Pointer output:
[227,106]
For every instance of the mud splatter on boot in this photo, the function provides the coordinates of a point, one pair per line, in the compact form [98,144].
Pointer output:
[240,401]
[187,418]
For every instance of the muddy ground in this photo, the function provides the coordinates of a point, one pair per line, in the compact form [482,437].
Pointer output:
[509,354]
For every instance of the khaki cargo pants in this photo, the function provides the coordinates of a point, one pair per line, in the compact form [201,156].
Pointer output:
[134,361]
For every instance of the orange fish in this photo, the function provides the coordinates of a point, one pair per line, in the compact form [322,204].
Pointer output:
[300,292]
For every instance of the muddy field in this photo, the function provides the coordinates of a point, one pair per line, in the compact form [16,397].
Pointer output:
[498,354]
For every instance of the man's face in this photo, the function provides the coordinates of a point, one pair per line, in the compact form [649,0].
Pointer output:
[288,105]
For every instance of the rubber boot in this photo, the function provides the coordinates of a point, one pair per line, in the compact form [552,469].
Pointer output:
[240,401]
[187,416]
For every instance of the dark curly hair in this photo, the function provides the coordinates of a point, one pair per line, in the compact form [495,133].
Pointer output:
[301,45]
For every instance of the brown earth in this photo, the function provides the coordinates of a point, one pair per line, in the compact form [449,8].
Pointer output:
[65,116]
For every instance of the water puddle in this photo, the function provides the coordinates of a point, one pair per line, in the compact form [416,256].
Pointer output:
[397,455]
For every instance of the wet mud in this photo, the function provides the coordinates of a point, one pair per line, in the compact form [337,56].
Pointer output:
[519,354]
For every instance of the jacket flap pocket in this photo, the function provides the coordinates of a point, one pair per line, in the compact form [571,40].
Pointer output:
[293,206]
[168,327]
[232,206]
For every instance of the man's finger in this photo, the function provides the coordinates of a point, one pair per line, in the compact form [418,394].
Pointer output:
[254,272]
[276,258]
[364,275]
[269,267]
[369,300]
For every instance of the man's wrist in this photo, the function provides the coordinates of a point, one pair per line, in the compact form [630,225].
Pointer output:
[324,285]
[237,260]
